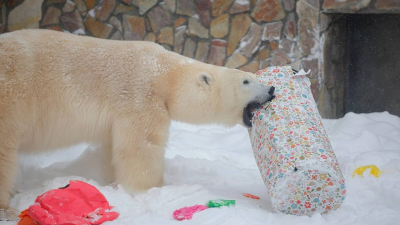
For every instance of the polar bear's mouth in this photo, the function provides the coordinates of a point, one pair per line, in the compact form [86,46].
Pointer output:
[248,113]
[249,109]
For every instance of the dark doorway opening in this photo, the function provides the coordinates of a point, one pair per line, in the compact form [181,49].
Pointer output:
[362,60]
[374,64]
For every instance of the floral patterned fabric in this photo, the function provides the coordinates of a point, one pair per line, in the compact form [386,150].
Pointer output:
[292,149]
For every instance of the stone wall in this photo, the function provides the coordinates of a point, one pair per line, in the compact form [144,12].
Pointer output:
[244,34]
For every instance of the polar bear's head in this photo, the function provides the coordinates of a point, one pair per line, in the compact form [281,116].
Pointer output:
[211,94]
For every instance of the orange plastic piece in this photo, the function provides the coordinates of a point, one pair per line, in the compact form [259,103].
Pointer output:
[25,218]
[250,196]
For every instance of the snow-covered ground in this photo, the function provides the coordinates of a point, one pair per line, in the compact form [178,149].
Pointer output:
[210,162]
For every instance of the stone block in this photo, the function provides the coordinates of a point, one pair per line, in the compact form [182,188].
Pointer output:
[268,10]
[240,26]
[217,53]
[220,26]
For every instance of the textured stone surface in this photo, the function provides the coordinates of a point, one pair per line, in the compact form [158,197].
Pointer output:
[272,31]
[116,23]
[54,27]
[220,26]
[313,66]
[196,29]
[220,6]
[265,63]
[51,17]
[240,25]
[134,27]
[202,51]
[159,17]
[185,7]
[252,67]
[179,39]
[171,5]
[387,4]
[179,22]
[236,60]
[150,37]
[90,4]
[345,5]
[166,36]
[252,40]
[296,52]
[296,65]
[148,25]
[263,54]
[315,88]
[307,24]
[217,53]
[287,45]
[203,10]
[280,58]
[121,8]
[117,36]
[274,45]
[324,21]
[290,26]
[288,4]
[104,9]
[80,5]
[268,10]
[144,5]
[97,28]
[69,6]
[25,15]
[190,48]
[12,3]
[240,6]
[72,21]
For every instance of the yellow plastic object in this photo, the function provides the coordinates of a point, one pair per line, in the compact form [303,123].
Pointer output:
[375,171]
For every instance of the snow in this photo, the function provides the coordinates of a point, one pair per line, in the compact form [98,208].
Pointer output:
[242,2]
[79,31]
[210,162]
[91,13]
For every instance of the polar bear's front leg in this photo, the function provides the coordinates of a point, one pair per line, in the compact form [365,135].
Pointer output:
[138,154]
[8,170]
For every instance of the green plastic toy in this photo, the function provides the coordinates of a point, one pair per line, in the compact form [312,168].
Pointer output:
[220,202]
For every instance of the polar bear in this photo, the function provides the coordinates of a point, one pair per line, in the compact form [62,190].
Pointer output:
[59,89]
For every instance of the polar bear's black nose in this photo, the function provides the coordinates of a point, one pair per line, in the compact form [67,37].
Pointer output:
[271,91]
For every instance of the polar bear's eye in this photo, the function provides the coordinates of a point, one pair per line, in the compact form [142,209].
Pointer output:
[245,82]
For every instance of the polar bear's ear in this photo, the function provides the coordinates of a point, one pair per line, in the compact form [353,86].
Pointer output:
[204,79]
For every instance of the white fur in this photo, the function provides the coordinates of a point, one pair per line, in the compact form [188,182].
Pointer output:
[60,89]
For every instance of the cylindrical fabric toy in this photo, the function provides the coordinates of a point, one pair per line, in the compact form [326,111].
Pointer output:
[292,149]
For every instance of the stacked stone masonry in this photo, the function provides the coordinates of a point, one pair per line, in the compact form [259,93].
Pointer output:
[243,34]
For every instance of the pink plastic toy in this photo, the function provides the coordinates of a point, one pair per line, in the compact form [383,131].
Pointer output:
[186,213]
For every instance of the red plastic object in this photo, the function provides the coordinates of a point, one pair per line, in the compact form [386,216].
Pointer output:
[186,213]
[78,203]
[250,196]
